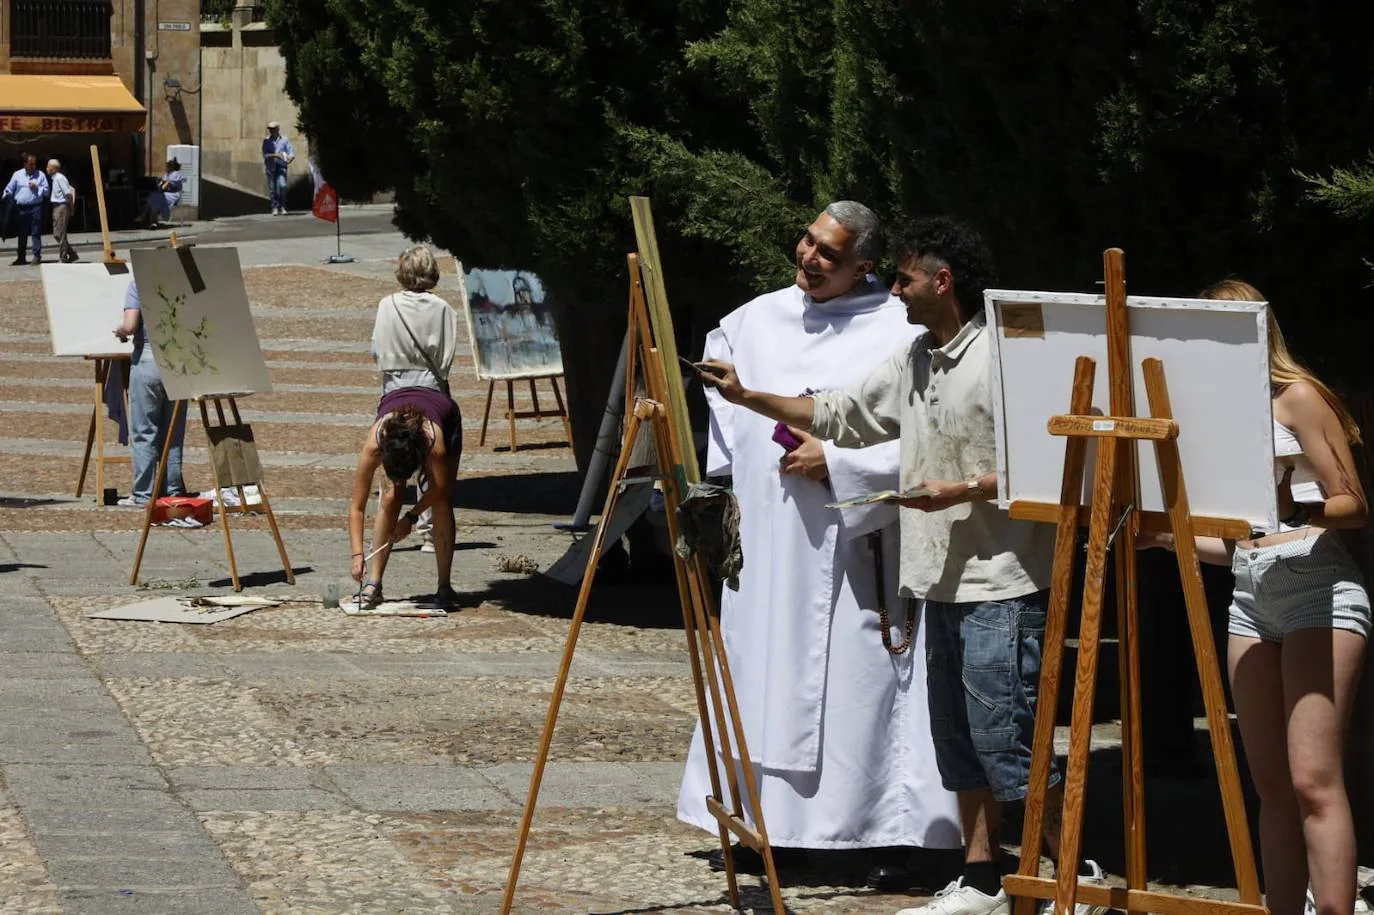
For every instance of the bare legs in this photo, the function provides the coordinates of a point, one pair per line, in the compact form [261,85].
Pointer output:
[443,531]
[981,816]
[1293,700]
[382,526]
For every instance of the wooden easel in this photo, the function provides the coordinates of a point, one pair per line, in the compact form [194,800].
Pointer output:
[652,351]
[1113,518]
[95,435]
[104,364]
[512,414]
[233,462]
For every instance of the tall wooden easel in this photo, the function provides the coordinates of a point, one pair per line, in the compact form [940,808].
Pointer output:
[652,355]
[560,411]
[105,363]
[233,462]
[1113,518]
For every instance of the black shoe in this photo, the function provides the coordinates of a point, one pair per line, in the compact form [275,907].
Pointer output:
[891,878]
[37,260]
[20,262]
[748,861]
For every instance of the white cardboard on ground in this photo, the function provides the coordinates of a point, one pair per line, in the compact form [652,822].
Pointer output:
[1216,367]
[176,610]
[204,342]
[85,303]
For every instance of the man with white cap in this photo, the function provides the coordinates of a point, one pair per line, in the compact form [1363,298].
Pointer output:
[277,154]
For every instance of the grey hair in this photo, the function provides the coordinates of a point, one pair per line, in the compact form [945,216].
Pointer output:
[417,270]
[863,222]
[55,164]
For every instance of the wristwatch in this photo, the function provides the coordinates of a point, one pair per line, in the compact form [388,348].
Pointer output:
[412,517]
[1299,517]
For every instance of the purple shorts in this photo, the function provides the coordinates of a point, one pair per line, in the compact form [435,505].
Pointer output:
[436,407]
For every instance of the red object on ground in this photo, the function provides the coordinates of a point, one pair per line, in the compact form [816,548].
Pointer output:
[169,507]
[326,204]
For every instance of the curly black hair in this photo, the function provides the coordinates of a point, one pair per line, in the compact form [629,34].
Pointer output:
[404,444]
[961,249]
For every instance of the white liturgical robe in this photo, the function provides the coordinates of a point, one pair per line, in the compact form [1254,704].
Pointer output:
[838,728]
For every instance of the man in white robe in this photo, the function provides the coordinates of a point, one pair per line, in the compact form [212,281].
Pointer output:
[837,726]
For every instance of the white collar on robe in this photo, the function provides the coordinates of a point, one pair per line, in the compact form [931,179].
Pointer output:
[869,295]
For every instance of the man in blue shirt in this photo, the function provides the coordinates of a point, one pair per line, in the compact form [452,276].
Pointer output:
[277,153]
[27,188]
[61,198]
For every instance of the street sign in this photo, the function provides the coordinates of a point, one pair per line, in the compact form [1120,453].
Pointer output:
[180,26]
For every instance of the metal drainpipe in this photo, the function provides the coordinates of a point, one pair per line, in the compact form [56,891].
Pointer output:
[140,79]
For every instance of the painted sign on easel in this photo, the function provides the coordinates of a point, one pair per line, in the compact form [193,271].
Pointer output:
[510,323]
[196,310]
[85,303]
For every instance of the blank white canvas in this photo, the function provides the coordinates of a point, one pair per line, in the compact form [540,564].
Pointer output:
[85,304]
[205,343]
[1216,367]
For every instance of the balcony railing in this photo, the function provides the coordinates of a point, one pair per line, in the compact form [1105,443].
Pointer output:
[70,29]
[222,10]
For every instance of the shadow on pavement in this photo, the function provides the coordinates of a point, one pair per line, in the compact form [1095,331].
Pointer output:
[522,493]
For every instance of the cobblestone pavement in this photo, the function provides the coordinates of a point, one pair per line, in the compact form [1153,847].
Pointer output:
[298,760]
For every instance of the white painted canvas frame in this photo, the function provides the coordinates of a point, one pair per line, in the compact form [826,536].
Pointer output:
[489,366]
[1216,365]
[85,303]
[210,346]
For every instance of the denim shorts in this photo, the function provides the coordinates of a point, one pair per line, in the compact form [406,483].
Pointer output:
[983,673]
[1302,584]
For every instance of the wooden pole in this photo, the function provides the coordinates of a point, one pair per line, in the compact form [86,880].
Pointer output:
[100,201]
[1056,626]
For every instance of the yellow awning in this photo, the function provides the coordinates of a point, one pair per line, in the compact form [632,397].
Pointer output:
[67,104]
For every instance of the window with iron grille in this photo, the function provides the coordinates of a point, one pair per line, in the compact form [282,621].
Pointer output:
[60,28]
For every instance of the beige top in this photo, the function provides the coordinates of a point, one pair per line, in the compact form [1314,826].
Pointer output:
[938,402]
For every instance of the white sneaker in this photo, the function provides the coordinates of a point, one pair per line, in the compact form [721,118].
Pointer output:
[957,899]
[1098,878]
[131,502]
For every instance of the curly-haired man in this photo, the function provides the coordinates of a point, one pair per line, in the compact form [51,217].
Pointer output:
[984,576]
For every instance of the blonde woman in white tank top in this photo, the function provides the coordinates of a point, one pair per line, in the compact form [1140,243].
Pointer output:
[1299,623]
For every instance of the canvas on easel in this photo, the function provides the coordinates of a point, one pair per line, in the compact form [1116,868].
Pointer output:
[511,328]
[85,302]
[220,350]
[1118,508]
[195,307]
[651,355]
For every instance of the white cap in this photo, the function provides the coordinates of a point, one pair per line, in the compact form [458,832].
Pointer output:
[273,125]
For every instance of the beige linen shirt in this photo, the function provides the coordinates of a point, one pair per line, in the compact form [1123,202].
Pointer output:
[938,402]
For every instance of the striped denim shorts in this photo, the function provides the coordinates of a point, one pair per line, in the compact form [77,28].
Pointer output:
[1301,584]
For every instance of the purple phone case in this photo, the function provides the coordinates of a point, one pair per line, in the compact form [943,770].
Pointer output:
[783,436]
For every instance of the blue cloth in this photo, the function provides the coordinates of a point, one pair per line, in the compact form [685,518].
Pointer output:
[982,678]
[61,188]
[150,416]
[114,402]
[24,195]
[133,303]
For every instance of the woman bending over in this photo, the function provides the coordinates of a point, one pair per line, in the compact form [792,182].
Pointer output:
[418,432]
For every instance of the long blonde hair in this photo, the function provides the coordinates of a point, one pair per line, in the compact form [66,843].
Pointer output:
[1284,369]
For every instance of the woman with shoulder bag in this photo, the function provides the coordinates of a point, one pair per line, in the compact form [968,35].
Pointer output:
[414,342]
